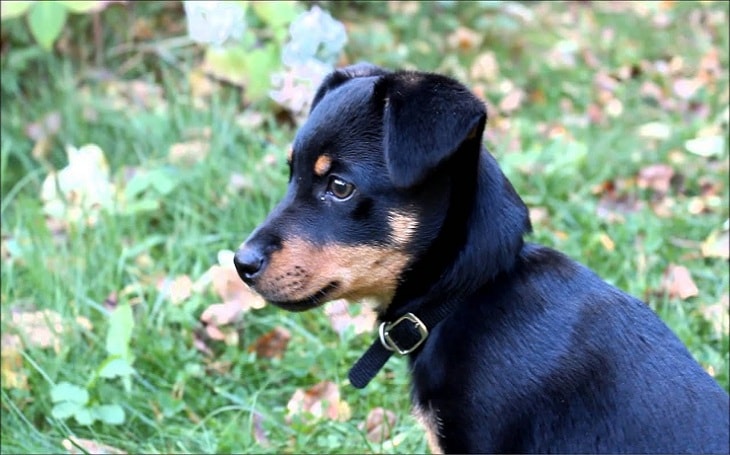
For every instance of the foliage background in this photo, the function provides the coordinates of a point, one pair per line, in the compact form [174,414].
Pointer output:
[610,118]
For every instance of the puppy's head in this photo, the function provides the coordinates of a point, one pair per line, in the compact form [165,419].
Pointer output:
[364,199]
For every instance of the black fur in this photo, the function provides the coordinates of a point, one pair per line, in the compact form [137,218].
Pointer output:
[540,355]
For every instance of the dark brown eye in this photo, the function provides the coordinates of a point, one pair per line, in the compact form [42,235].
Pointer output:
[340,188]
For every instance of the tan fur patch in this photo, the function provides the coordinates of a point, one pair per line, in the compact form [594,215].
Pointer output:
[430,422]
[402,227]
[322,165]
[300,269]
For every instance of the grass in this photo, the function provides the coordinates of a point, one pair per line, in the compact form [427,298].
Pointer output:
[182,402]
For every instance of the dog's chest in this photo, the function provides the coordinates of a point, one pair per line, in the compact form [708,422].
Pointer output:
[428,417]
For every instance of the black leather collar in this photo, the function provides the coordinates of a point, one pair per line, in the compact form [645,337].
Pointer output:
[403,336]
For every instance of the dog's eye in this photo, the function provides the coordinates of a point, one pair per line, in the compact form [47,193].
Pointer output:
[340,188]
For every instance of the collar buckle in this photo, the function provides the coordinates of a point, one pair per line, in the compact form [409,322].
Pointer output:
[389,343]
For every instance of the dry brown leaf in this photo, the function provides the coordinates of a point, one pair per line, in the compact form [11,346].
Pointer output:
[612,207]
[221,313]
[92,447]
[485,67]
[11,363]
[717,245]
[42,132]
[340,318]
[718,315]
[272,344]
[229,287]
[188,153]
[41,329]
[538,215]
[259,434]
[177,290]
[678,282]
[378,425]
[321,401]
[686,88]
[657,177]
[607,242]
[464,39]
[512,101]
[200,345]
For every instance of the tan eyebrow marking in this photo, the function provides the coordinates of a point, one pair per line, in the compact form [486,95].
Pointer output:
[322,165]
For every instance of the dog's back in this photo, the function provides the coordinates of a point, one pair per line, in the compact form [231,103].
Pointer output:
[552,359]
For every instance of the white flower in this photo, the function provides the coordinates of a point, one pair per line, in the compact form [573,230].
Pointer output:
[214,22]
[315,45]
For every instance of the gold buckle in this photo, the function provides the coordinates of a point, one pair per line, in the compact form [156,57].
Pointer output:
[389,343]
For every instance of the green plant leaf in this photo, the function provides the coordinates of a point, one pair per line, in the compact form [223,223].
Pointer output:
[145,205]
[226,63]
[121,323]
[111,414]
[115,367]
[164,180]
[46,20]
[9,10]
[276,14]
[67,392]
[82,6]
[84,416]
[260,63]
[65,409]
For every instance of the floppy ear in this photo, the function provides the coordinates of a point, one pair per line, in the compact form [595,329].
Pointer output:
[427,118]
[339,76]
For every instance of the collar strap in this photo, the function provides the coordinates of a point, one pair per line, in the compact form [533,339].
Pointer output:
[402,336]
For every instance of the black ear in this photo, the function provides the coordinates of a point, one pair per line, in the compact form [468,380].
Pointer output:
[337,77]
[427,118]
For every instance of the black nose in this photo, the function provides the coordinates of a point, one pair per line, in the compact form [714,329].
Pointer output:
[249,262]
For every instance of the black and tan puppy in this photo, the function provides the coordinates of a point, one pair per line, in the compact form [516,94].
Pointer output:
[513,347]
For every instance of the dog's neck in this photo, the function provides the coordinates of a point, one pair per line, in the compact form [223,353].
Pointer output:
[481,235]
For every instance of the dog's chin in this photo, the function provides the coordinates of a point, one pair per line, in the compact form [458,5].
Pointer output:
[317,299]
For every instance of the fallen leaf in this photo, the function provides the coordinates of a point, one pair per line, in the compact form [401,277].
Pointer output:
[612,208]
[677,282]
[706,146]
[177,290]
[512,101]
[11,363]
[717,315]
[717,245]
[41,132]
[272,344]
[686,88]
[538,215]
[321,401]
[41,329]
[188,153]
[238,182]
[229,286]
[378,425]
[340,318]
[221,313]
[80,190]
[464,39]
[485,67]
[607,242]
[655,130]
[259,434]
[657,177]
[73,443]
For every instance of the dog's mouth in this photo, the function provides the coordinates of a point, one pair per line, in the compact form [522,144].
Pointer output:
[313,301]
